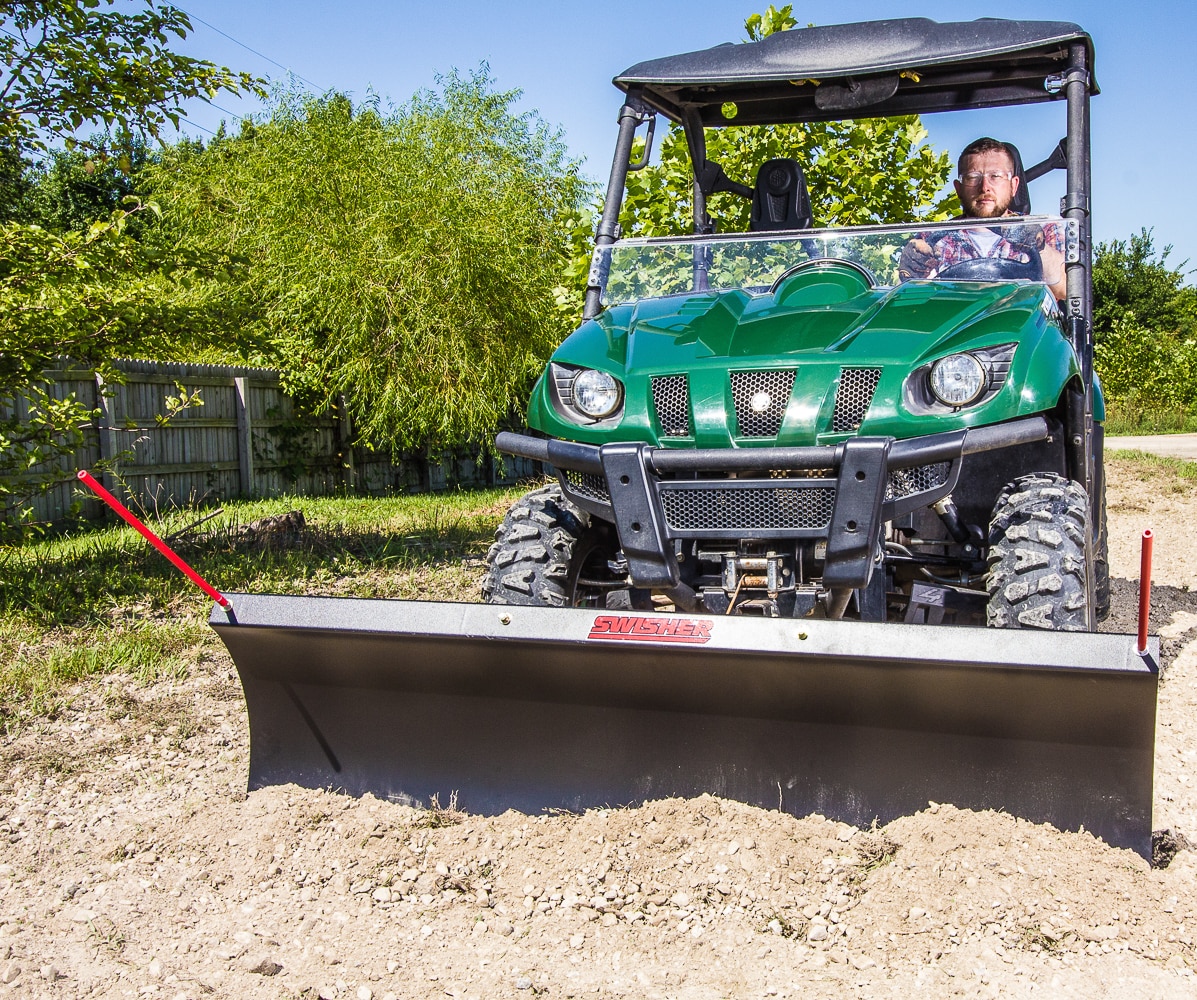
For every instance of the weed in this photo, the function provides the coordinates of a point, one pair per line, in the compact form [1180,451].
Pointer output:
[1039,938]
[436,815]
[105,934]
[874,850]
[778,924]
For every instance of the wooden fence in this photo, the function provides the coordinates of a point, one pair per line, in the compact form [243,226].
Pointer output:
[245,440]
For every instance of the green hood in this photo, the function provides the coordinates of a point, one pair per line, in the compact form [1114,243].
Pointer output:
[815,325]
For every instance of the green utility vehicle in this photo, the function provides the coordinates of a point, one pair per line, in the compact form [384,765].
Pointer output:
[773,422]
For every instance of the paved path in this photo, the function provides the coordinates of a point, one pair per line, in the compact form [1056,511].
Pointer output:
[1167,445]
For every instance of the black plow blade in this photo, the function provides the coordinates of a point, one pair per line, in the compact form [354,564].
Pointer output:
[538,708]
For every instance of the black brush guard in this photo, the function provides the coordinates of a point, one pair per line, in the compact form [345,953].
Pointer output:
[536,708]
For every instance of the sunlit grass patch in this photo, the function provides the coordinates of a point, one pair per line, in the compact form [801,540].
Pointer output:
[1170,475]
[102,601]
[37,665]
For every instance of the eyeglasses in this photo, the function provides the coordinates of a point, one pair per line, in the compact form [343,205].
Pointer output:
[974,177]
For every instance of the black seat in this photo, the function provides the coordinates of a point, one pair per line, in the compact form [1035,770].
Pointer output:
[779,197]
[1020,204]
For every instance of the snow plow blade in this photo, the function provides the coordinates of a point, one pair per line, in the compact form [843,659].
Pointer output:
[537,708]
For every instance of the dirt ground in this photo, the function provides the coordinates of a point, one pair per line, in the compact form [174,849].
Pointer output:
[135,866]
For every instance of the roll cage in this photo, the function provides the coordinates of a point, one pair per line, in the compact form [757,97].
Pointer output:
[880,69]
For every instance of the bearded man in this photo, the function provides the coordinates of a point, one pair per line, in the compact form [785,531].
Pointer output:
[986,187]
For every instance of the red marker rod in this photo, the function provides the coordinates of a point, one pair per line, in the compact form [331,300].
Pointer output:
[1144,589]
[90,481]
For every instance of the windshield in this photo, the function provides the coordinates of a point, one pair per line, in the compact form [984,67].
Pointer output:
[1025,248]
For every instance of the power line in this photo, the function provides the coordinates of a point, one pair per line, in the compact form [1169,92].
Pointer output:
[260,55]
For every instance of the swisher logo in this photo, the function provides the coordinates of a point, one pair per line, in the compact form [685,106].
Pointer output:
[650,629]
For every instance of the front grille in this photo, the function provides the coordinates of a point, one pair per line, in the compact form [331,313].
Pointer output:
[852,400]
[920,479]
[671,400]
[588,484]
[772,508]
[761,399]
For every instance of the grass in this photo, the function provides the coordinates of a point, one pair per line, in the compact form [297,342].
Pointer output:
[1169,475]
[1132,418]
[100,600]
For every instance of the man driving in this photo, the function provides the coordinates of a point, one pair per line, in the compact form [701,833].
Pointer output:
[986,187]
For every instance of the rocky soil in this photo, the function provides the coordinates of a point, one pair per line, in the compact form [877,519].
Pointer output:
[134,865]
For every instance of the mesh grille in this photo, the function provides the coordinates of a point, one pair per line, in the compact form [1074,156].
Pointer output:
[588,484]
[920,479]
[671,400]
[755,507]
[761,399]
[857,386]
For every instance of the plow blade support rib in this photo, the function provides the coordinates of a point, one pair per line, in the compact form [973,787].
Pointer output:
[540,708]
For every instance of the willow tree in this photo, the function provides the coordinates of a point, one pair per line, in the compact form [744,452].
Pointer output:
[403,258]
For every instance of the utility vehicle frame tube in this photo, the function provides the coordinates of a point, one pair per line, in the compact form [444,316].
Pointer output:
[536,708]
[633,112]
[1079,287]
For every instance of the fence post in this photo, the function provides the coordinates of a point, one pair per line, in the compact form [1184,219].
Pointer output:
[245,437]
[345,431]
[106,432]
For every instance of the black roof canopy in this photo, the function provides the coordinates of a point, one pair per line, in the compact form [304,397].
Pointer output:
[873,69]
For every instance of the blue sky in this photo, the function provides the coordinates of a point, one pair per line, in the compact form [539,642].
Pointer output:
[563,55]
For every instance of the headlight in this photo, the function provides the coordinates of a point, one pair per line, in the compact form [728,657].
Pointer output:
[957,380]
[596,393]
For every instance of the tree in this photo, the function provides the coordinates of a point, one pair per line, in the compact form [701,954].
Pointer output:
[404,258]
[858,172]
[1145,326]
[68,63]
[71,190]
[1130,278]
[95,292]
[88,296]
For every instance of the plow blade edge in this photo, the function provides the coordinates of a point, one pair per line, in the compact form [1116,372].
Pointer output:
[539,708]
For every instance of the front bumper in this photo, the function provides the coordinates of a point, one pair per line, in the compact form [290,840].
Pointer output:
[841,493]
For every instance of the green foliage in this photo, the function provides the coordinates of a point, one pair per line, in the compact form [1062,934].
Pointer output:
[858,172]
[90,296]
[1129,277]
[408,259]
[71,190]
[1145,325]
[1145,366]
[1123,418]
[15,184]
[68,63]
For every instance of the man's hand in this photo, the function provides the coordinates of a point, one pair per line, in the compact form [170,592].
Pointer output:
[918,261]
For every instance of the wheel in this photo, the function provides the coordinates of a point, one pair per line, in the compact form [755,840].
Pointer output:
[996,268]
[548,553]
[1037,555]
[1101,567]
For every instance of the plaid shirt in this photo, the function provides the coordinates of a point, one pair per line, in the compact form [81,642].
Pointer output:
[957,245]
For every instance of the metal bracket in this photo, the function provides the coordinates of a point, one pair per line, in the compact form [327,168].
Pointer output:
[600,265]
[857,515]
[1072,241]
[1058,81]
[651,561]
[1074,201]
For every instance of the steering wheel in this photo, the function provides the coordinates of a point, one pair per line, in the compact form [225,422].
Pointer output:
[997,268]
